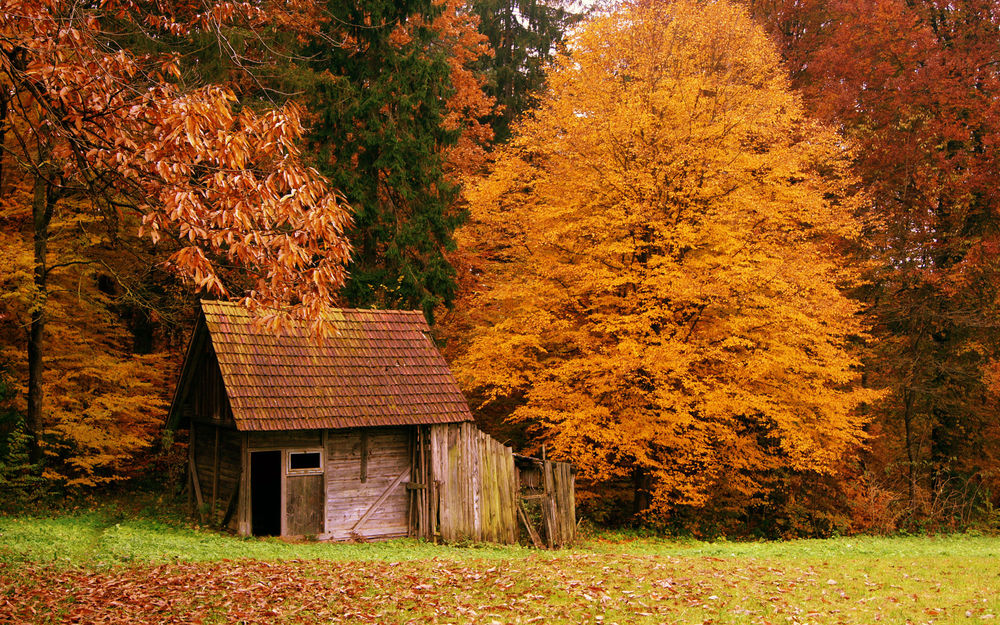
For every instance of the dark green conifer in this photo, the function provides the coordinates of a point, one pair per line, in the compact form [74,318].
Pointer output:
[379,129]
[524,35]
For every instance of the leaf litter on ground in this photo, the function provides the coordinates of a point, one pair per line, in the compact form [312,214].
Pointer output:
[542,587]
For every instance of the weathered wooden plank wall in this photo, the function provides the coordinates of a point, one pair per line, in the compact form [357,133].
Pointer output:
[210,402]
[366,474]
[476,482]
[215,469]
[448,481]
[422,489]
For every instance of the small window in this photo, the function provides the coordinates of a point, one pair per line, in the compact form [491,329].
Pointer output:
[305,462]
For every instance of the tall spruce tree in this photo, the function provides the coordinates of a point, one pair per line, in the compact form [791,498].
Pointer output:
[382,136]
[525,35]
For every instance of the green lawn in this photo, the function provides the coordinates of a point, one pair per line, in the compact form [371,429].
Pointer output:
[99,566]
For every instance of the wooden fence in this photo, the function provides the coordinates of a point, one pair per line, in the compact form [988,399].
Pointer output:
[468,486]
[547,502]
[476,482]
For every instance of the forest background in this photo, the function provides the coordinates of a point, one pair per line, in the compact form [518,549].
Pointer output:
[735,261]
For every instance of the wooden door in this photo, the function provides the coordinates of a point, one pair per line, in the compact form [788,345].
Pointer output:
[304,500]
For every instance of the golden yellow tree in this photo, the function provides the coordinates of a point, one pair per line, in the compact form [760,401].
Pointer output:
[664,240]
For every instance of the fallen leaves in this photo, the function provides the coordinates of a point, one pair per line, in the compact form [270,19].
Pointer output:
[571,587]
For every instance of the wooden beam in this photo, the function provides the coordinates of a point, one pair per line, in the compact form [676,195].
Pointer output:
[231,506]
[284,492]
[411,495]
[188,483]
[364,456]
[421,498]
[435,498]
[523,515]
[243,523]
[378,502]
[549,505]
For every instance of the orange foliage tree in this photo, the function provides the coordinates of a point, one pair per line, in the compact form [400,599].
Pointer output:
[95,133]
[103,403]
[662,299]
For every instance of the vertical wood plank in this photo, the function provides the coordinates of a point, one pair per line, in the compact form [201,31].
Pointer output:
[477,519]
[424,471]
[548,506]
[419,498]
[572,501]
[435,497]
[456,492]
[554,503]
[472,466]
[569,522]
[430,503]
[195,478]
[215,474]
[364,456]
[191,469]
[439,469]
[485,522]
[493,454]
[324,437]
[435,465]
[510,497]
[243,527]
[411,499]
[515,499]
[284,493]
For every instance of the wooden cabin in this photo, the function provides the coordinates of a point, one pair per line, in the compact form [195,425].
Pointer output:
[364,435]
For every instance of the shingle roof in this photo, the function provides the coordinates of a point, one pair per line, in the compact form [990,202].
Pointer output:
[377,367]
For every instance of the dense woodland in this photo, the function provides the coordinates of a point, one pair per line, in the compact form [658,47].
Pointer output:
[738,262]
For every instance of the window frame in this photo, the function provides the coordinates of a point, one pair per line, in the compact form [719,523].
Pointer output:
[318,470]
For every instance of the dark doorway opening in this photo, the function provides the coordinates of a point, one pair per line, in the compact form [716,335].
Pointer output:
[265,493]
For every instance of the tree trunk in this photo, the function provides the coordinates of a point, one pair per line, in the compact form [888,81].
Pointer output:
[4,108]
[42,206]
[642,484]
[911,460]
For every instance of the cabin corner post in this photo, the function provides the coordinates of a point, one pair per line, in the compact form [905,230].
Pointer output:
[324,440]
[243,527]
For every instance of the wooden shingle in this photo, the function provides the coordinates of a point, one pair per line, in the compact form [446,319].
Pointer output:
[376,367]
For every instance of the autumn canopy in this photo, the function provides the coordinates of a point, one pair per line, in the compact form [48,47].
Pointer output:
[735,260]
[663,297]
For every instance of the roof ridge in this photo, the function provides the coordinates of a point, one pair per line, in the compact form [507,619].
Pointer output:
[226,303]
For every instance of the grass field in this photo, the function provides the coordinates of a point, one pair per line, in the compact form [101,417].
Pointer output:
[103,567]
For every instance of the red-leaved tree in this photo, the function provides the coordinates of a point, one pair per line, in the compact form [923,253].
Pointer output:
[92,128]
